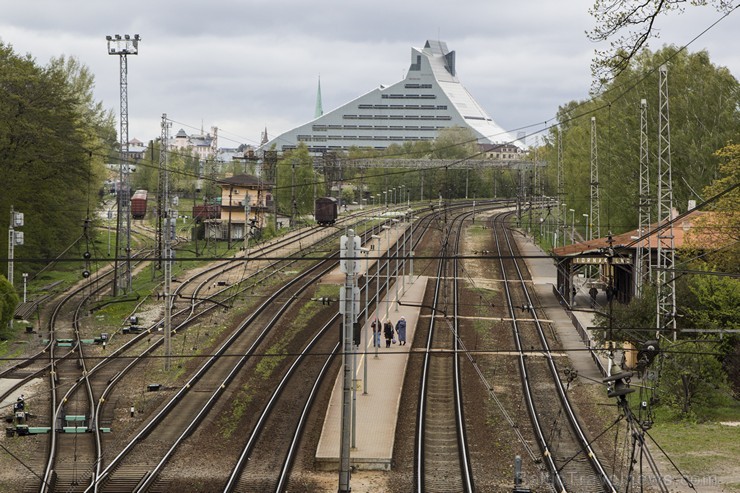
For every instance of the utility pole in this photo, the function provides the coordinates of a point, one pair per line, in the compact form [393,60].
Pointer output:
[349,247]
[563,216]
[594,228]
[228,229]
[161,188]
[169,227]
[292,193]
[644,255]
[666,284]
[123,46]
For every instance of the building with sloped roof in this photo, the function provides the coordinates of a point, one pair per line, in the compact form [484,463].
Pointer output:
[245,202]
[429,99]
[203,145]
[614,257]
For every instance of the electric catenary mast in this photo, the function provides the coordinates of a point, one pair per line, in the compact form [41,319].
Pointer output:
[665,283]
[594,226]
[644,256]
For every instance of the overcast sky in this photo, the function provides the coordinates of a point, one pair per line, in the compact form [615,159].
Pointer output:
[243,65]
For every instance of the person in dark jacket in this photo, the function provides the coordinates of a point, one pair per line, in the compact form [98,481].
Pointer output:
[593,292]
[388,332]
[401,330]
[376,332]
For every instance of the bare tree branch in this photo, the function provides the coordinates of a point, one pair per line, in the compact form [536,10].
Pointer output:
[629,25]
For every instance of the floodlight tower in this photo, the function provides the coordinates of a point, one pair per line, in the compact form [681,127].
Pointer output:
[122,46]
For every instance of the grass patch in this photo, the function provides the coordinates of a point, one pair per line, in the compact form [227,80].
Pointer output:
[276,353]
[698,448]
[274,356]
[703,449]
[239,406]
[477,230]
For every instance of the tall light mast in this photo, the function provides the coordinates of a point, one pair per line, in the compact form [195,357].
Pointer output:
[122,46]
[665,281]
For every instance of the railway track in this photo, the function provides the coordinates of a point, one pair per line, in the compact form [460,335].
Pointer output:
[182,414]
[74,445]
[181,410]
[77,400]
[265,462]
[572,464]
[109,371]
[442,461]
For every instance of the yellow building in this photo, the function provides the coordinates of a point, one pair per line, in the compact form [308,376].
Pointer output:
[242,196]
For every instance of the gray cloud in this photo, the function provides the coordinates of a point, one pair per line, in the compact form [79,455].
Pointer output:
[244,66]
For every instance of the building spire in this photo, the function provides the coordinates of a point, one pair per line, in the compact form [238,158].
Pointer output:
[319,110]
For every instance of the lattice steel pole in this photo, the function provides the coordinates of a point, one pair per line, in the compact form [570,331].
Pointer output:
[562,216]
[594,228]
[643,260]
[665,283]
[168,224]
[122,46]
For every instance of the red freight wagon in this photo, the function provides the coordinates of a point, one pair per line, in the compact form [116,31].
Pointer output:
[138,204]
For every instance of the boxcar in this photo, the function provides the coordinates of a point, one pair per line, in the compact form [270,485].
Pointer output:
[326,210]
[138,204]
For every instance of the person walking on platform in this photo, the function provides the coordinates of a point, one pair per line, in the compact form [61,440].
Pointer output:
[388,332]
[593,292]
[376,332]
[401,331]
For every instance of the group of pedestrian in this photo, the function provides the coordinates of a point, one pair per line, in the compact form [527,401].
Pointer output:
[389,332]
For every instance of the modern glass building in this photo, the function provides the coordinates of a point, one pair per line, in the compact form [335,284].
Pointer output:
[429,99]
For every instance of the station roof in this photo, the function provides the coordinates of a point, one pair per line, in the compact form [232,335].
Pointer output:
[629,240]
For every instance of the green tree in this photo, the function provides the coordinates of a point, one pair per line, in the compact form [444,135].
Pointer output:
[628,322]
[628,25]
[455,143]
[717,235]
[691,375]
[295,181]
[8,301]
[704,117]
[53,141]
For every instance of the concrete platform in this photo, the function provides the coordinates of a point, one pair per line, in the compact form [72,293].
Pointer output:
[378,398]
